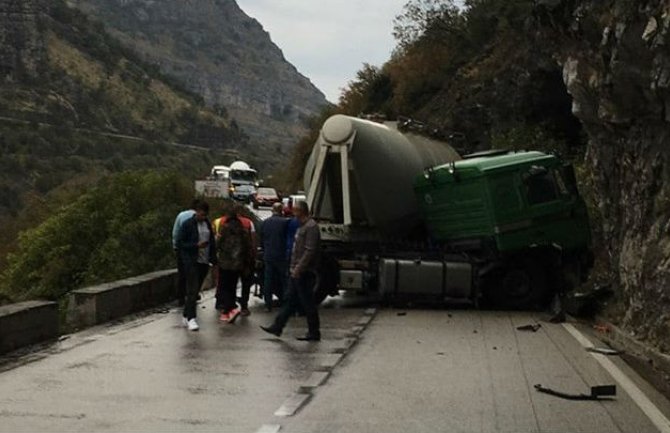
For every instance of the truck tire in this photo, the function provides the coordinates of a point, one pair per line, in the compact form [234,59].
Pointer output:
[520,287]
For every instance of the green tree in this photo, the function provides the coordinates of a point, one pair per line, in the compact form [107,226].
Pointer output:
[119,229]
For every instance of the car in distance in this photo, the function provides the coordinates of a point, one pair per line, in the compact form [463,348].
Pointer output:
[265,196]
[242,193]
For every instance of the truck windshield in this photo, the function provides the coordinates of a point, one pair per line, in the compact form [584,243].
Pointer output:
[541,189]
[243,176]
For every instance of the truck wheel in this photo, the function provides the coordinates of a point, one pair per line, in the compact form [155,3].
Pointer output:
[518,288]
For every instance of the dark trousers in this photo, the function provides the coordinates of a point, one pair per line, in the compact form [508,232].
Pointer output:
[275,280]
[247,282]
[300,293]
[226,290]
[195,274]
[181,279]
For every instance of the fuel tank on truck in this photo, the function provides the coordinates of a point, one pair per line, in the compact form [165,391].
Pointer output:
[361,174]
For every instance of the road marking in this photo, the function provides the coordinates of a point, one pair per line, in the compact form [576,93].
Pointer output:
[269,428]
[328,362]
[317,379]
[292,405]
[647,406]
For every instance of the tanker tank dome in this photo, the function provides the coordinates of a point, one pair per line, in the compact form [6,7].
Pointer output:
[337,129]
[240,165]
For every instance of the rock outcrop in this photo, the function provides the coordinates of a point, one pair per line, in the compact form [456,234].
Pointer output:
[22,48]
[616,61]
[217,51]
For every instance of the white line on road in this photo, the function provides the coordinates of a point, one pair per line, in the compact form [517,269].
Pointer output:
[269,428]
[646,405]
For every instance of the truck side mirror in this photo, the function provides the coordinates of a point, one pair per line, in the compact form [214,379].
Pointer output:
[534,171]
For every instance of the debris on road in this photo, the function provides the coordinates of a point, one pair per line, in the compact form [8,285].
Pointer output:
[531,328]
[402,313]
[589,303]
[601,392]
[603,329]
[604,351]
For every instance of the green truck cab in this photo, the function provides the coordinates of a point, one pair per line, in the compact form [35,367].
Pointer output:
[518,215]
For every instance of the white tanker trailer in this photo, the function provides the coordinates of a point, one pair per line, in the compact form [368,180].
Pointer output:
[359,182]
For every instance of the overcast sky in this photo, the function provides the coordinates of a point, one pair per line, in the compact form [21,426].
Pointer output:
[328,41]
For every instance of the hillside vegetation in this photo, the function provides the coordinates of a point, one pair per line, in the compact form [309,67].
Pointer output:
[76,107]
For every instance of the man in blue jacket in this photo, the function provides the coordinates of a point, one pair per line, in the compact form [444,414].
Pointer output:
[196,246]
[182,217]
[273,241]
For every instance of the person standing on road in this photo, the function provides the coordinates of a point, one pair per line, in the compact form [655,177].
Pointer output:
[291,230]
[273,242]
[182,217]
[234,248]
[196,247]
[303,277]
[247,276]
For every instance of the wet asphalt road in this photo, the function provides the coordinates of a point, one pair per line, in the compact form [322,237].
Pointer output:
[423,371]
[151,374]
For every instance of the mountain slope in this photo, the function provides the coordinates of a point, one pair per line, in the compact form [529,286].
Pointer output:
[219,52]
[76,106]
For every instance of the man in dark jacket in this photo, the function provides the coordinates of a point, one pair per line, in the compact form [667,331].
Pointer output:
[273,241]
[196,246]
[303,273]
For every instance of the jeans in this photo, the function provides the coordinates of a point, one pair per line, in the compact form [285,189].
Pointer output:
[275,281]
[226,290]
[194,274]
[300,293]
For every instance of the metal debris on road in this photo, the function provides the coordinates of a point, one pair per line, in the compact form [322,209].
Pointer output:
[601,392]
[604,351]
[530,328]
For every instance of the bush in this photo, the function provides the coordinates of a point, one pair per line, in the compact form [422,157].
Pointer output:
[118,229]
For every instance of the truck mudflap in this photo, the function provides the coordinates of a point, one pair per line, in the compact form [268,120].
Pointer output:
[443,279]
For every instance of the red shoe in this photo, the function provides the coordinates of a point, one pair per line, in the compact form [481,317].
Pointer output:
[233,315]
[224,317]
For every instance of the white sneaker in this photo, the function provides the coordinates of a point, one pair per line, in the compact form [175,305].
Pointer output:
[184,321]
[193,325]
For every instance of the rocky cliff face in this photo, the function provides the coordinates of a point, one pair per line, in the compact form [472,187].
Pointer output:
[22,48]
[223,55]
[616,62]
